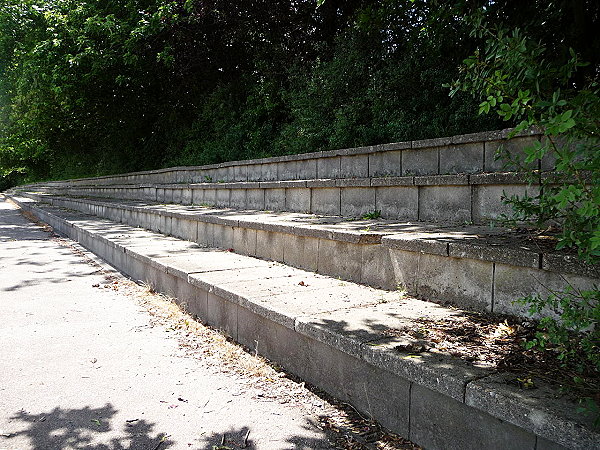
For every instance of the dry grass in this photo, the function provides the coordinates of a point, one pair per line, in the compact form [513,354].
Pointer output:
[203,340]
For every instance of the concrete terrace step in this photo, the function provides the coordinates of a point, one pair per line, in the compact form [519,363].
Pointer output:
[469,153]
[336,335]
[445,198]
[475,267]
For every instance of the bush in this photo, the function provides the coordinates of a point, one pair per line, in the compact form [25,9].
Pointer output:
[515,79]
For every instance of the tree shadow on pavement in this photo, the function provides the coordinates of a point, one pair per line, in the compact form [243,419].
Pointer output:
[84,428]
[241,438]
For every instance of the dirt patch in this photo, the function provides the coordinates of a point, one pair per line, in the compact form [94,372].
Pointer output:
[498,343]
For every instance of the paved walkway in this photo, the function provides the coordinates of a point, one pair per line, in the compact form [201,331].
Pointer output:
[82,366]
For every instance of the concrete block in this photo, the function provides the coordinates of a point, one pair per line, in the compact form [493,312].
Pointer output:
[325,201]
[421,161]
[244,241]
[287,170]
[186,196]
[240,173]
[377,268]
[164,224]
[127,217]
[205,234]
[354,166]
[222,314]
[161,281]
[230,174]
[268,172]
[210,197]
[495,252]
[328,167]
[433,142]
[149,193]
[197,196]
[190,298]
[149,220]
[185,229]
[398,202]
[364,386]
[237,199]
[168,195]
[439,422]
[300,251]
[512,283]
[356,202]
[114,214]
[488,203]
[220,175]
[306,169]
[565,263]
[405,266]
[548,162]
[340,259]
[382,164]
[464,282]
[445,203]
[223,197]
[255,199]
[545,444]
[272,340]
[253,172]
[344,376]
[544,413]
[222,236]
[177,195]
[270,245]
[275,199]
[208,175]
[297,199]
[515,147]
[462,158]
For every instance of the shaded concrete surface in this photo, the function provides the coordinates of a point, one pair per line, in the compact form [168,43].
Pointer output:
[82,367]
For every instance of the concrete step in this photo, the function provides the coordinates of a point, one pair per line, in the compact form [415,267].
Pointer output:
[339,336]
[469,153]
[459,199]
[474,267]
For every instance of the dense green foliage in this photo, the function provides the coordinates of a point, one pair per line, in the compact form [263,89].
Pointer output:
[515,78]
[94,87]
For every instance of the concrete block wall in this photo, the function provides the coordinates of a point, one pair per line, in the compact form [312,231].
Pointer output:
[457,267]
[435,198]
[471,153]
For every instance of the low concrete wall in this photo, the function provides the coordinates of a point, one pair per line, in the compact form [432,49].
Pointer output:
[448,267]
[437,198]
[470,153]
[435,401]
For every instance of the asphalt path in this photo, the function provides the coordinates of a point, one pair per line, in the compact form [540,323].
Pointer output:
[83,365]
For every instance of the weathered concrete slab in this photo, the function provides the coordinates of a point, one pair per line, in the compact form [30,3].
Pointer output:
[326,201]
[452,424]
[397,202]
[462,158]
[445,203]
[544,414]
[383,164]
[420,161]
